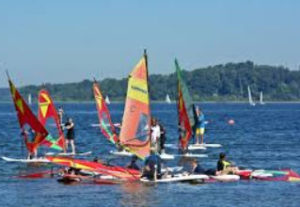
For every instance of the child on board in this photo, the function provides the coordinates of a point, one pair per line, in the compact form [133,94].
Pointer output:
[200,125]
[69,125]
[225,167]
[162,138]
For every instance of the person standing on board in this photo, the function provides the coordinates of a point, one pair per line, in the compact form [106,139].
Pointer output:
[60,114]
[162,138]
[155,133]
[69,125]
[200,125]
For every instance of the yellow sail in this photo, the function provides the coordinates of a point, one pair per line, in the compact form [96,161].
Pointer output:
[135,130]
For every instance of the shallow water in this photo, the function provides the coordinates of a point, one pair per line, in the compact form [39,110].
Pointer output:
[264,136]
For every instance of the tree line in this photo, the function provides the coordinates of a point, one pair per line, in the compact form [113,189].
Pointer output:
[224,82]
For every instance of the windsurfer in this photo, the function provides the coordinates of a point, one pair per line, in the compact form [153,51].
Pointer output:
[224,166]
[162,138]
[60,114]
[69,125]
[155,133]
[152,168]
[30,134]
[200,125]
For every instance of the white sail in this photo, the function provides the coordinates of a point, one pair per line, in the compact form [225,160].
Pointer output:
[29,99]
[168,100]
[261,98]
[107,101]
[251,102]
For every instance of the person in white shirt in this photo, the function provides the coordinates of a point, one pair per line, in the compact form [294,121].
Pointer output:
[155,133]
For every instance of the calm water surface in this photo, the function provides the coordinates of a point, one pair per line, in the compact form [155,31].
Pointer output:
[266,136]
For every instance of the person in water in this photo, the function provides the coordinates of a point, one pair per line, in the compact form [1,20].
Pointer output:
[200,125]
[155,133]
[132,164]
[152,166]
[225,167]
[69,125]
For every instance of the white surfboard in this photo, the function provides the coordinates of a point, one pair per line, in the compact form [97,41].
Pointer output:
[68,153]
[176,178]
[261,174]
[226,178]
[192,155]
[34,160]
[163,156]
[196,147]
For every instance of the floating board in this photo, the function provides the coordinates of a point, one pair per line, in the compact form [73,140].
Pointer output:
[211,145]
[192,155]
[163,156]
[171,169]
[196,147]
[226,178]
[258,174]
[176,178]
[35,160]
[68,153]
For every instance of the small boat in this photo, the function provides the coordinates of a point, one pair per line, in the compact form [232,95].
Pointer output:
[107,101]
[261,102]
[168,100]
[251,102]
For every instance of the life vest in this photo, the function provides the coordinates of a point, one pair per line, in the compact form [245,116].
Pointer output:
[226,164]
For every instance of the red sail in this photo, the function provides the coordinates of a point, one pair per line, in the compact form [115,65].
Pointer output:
[106,125]
[25,116]
[46,111]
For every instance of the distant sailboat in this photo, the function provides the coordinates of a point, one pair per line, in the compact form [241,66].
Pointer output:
[168,100]
[251,102]
[107,101]
[29,99]
[261,102]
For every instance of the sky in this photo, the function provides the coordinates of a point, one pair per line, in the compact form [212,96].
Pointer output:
[61,41]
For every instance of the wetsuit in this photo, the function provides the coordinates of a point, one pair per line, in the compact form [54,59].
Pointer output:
[133,165]
[162,137]
[153,161]
[70,132]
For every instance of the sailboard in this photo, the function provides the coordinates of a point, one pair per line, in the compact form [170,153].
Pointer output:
[261,101]
[46,110]
[177,178]
[184,109]
[105,123]
[135,130]
[34,160]
[251,102]
[27,119]
[168,100]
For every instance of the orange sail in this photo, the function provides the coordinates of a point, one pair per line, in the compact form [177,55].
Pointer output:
[47,110]
[106,125]
[135,130]
[26,117]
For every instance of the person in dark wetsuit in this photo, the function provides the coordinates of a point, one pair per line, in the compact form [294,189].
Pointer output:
[198,169]
[132,164]
[69,125]
[152,168]
[162,138]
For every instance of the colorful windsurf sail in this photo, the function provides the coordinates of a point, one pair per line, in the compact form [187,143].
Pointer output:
[46,111]
[135,130]
[27,119]
[106,125]
[116,171]
[185,110]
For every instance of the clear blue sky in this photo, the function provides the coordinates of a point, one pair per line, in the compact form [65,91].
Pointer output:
[65,41]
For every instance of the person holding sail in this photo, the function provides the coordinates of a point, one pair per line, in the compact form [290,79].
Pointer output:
[200,125]
[155,133]
[69,125]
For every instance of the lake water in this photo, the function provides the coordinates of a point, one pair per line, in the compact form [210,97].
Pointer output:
[264,136]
